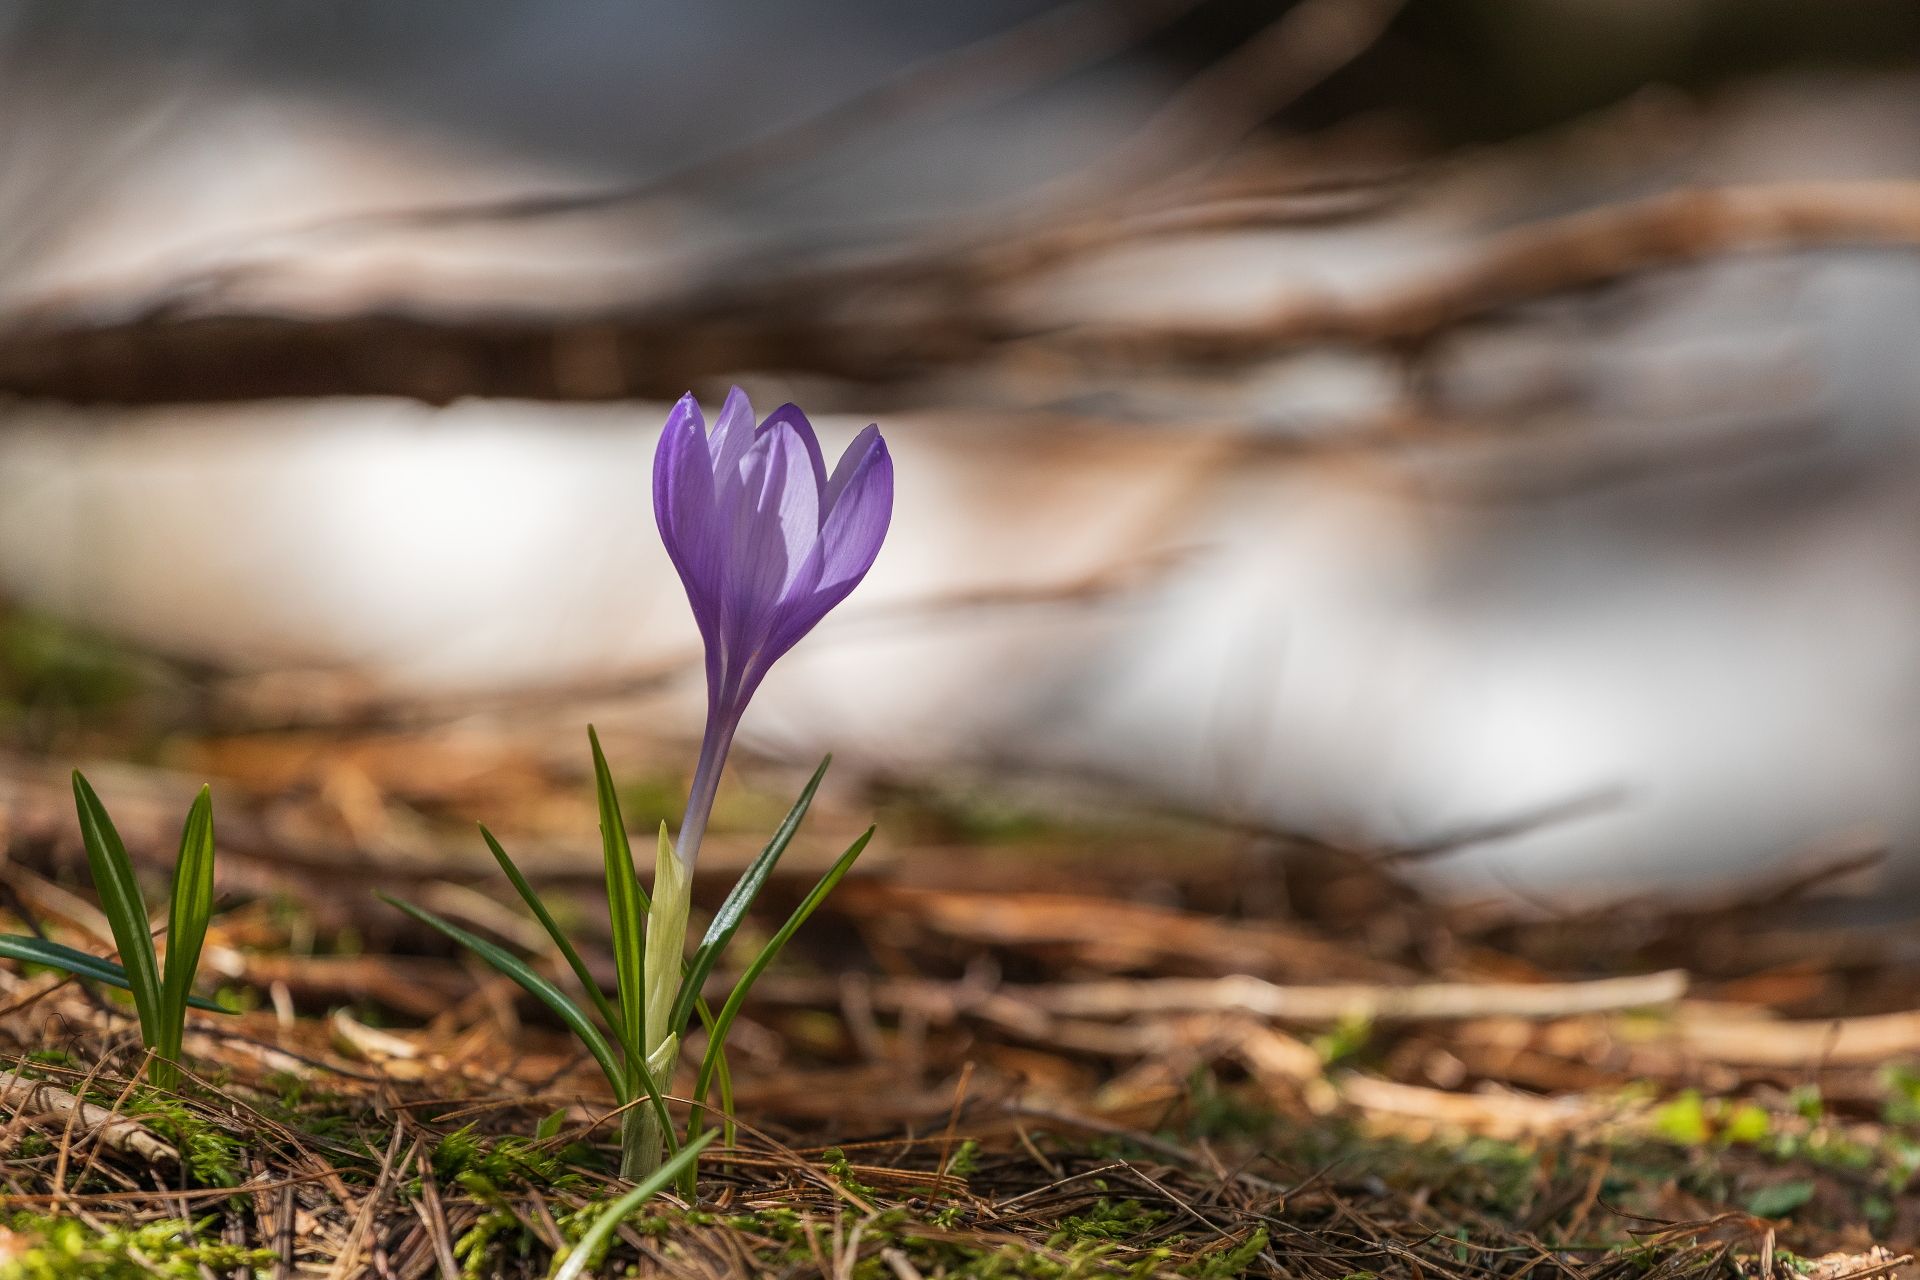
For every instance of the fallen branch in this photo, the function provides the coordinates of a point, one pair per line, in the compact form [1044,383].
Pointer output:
[1420,1112]
[1422,1002]
[893,321]
[1767,1042]
[1559,255]
[23,1096]
[1030,1010]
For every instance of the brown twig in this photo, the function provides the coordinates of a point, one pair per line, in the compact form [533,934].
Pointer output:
[24,1096]
[1560,255]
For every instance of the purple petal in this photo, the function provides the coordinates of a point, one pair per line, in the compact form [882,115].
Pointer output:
[862,497]
[773,527]
[789,415]
[732,436]
[849,542]
[855,456]
[683,503]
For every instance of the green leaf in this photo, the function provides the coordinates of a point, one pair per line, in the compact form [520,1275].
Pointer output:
[55,955]
[627,903]
[726,921]
[567,951]
[724,1021]
[119,892]
[1683,1120]
[534,985]
[1780,1199]
[187,917]
[1748,1124]
[723,1077]
[593,1243]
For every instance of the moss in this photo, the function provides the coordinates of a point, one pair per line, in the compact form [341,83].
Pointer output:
[1216,1112]
[290,1098]
[1121,1220]
[1229,1260]
[948,1217]
[212,1155]
[965,1160]
[1092,1247]
[469,1158]
[842,1170]
[478,1250]
[39,1247]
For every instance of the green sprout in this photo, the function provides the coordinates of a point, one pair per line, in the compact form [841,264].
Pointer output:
[161,995]
[636,1037]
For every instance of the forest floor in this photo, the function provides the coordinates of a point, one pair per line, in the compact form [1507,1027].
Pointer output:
[1058,1041]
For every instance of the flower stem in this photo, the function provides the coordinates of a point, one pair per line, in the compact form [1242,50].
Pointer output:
[714,745]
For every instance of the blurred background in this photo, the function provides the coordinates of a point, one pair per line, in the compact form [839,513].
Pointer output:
[1479,436]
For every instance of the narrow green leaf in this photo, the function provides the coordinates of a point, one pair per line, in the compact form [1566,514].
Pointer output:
[566,948]
[534,985]
[119,891]
[726,921]
[722,1076]
[724,1021]
[627,903]
[1782,1198]
[594,1241]
[55,955]
[187,916]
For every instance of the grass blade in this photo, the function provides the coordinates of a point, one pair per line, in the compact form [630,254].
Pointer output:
[627,905]
[566,948]
[80,964]
[594,1241]
[724,1020]
[726,922]
[187,917]
[119,891]
[534,985]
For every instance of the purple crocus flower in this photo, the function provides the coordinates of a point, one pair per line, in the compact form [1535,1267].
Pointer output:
[766,542]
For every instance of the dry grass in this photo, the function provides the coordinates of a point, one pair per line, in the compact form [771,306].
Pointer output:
[1264,1057]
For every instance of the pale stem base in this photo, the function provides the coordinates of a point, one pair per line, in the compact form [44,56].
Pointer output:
[641,1142]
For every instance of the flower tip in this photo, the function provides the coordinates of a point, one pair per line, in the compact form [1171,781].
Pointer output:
[684,414]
